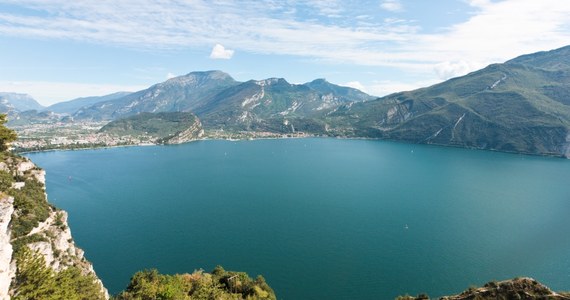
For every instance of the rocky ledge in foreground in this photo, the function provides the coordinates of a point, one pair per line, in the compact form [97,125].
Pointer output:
[519,288]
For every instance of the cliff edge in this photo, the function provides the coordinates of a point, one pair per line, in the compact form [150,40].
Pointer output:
[32,231]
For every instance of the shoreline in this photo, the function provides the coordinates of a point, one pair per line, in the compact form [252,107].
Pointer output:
[147,144]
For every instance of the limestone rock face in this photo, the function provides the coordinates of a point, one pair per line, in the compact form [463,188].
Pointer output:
[7,271]
[192,133]
[55,243]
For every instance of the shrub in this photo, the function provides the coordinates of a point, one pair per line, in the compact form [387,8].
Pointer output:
[35,280]
[6,180]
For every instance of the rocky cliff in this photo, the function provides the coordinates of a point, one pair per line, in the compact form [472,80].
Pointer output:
[28,221]
[191,133]
[7,269]
[517,288]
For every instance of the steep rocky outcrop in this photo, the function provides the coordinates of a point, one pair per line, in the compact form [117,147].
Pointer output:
[7,269]
[518,288]
[193,132]
[50,237]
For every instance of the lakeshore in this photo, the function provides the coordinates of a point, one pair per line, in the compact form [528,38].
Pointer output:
[342,224]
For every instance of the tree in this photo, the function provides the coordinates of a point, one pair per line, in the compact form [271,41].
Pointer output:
[7,135]
[36,281]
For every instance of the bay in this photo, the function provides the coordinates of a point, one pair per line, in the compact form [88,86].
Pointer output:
[318,218]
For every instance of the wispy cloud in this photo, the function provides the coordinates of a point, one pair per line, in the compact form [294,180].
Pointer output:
[391,5]
[496,30]
[385,87]
[220,52]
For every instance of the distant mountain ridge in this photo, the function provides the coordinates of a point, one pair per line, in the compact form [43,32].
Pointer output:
[183,93]
[15,102]
[223,103]
[71,106]
[520,106]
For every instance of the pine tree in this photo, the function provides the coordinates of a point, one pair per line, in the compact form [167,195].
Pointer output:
[7,135]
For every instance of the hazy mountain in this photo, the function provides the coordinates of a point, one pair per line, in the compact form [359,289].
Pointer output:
[23,109]
[182,93]
[71,106]
[522,106]
[17,102]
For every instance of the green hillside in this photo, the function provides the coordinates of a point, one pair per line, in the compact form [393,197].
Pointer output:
[162,127]
[520,106]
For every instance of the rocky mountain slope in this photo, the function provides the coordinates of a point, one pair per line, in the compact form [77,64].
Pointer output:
[183,93]
[519,106]
[223,103]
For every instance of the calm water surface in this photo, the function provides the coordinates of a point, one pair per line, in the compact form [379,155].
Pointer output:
[319,218]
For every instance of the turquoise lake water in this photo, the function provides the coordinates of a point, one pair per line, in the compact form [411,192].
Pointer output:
[319,218]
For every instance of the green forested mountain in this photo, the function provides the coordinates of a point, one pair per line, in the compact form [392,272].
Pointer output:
[165,127]
[520,106]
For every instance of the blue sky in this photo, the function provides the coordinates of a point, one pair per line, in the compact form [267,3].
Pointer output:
[57,50]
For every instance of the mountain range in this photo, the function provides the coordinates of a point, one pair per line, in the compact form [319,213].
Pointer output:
[522,106]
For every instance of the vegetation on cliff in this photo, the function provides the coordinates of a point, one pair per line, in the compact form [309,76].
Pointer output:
[35,280]
[517,288]
[220,285]
[6,135]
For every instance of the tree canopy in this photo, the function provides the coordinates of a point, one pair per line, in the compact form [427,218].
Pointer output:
[7,135]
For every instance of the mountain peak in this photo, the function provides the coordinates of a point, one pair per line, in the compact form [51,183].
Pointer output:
[212,74]
[271,81]
[20,102]
[198,78]
[319,81]
[556,59]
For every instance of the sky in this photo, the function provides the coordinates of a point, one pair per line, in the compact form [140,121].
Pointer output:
[57,50]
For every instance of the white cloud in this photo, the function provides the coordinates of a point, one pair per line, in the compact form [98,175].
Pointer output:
[355,85]
[391,5]
[47,93]
[386,87]
[497,32]
[220,52]
[494,32]
[448,69]
[170,75]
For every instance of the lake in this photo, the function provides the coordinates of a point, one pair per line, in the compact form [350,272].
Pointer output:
[318,218]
